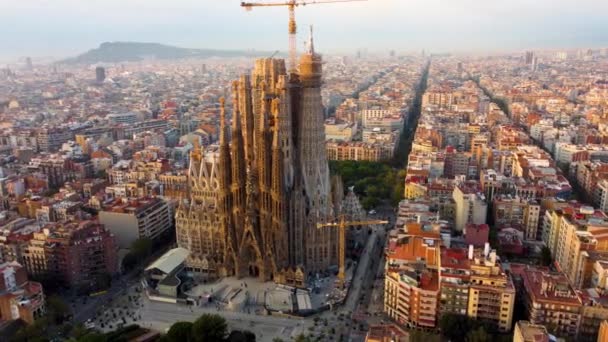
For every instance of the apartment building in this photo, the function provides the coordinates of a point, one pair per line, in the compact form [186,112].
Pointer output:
[357,150]
[131,219]
[339,131]
[600,194]
[491,293]
[367,115]
[456,164]
[455,281]
[593,312]
[127,171]
[19,297]
[470,204]
[440,97]
[549,299]
[411,293]
[528,332]
[424,280]
[78,254]
[510,210]
[51,139]
[574,234]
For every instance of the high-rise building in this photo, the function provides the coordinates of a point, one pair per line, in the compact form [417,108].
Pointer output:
[51,139]
[575,234]
[28,63]
[100,74]
[270,181]
[529,57]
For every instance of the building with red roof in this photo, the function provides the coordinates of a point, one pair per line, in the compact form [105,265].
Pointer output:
[476,234]
[550,299]
[19,297]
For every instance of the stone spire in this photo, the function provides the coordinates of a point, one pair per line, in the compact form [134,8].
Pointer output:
[225,196]
[275,110]
[223,121]
[277,156]
[236,116]
[238,167]
[313,159]
[311,43]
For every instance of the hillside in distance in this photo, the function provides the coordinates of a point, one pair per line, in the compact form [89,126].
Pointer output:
[117,52]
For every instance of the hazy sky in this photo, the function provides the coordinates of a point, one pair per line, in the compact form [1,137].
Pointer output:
[66,27]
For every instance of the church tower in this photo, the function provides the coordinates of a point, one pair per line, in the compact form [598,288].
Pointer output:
[313,160]
[268,185]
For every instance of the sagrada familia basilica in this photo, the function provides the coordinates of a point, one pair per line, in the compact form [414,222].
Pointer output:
[255,200]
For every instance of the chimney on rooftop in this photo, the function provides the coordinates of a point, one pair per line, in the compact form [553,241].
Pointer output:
[486,249]
[471,249]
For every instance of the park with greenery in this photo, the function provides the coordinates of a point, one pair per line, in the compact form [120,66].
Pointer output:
[375,183]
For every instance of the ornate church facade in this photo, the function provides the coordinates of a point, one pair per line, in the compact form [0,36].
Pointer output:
[255,201]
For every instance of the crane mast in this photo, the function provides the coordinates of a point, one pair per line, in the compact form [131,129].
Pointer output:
[292,28]
[341,225]
[293,49]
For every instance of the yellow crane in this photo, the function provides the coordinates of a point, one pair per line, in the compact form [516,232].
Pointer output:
[291,6]
[341,224]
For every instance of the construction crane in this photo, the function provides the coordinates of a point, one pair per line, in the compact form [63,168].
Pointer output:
[341,224]
[291,6]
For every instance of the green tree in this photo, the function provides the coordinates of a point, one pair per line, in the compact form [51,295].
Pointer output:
[180,332]
[397,194]
[32,333]
[93,337]
[101,174]
[58,310]
[422,336]
[78,331]
[241,336]
[142,247]
[103,282]
[209,328]
[454,326]
[478,335]
[369,202]
[302,338]
[129,261]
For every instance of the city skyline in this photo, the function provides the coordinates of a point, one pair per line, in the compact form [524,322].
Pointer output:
[413,170]
[66,27]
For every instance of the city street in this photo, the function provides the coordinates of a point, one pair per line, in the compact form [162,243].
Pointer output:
[353,317]
[122,304]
